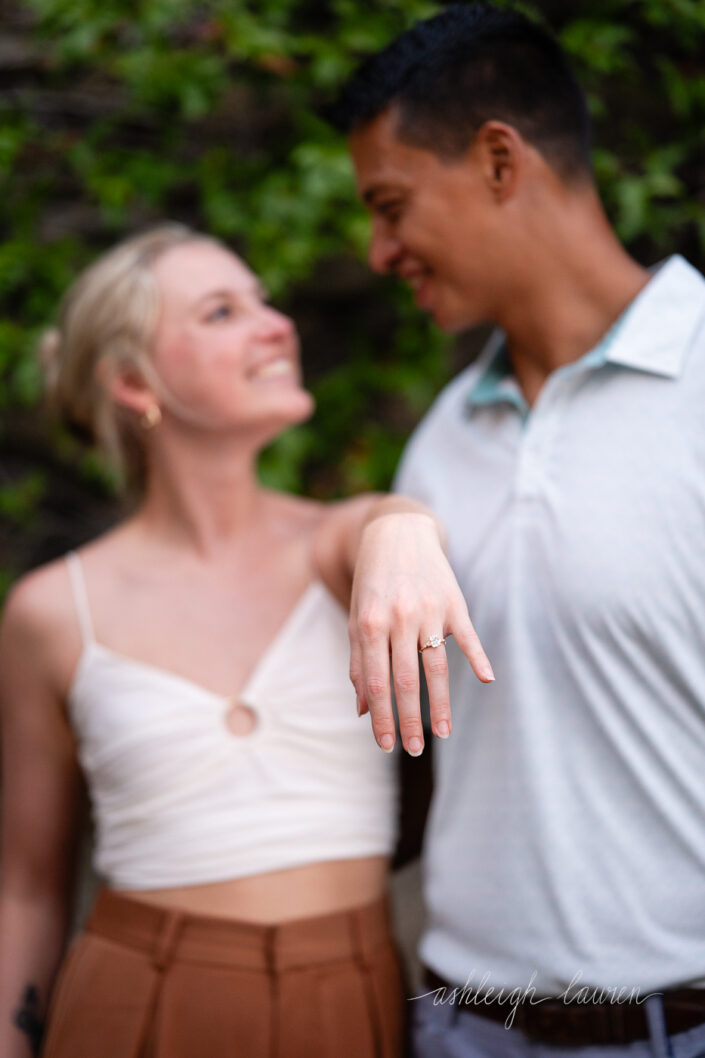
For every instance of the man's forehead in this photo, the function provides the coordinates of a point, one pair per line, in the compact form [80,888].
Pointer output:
[382,161]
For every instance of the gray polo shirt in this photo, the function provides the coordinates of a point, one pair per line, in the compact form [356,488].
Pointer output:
[567,833]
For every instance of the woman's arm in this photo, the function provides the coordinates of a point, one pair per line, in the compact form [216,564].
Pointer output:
[41,803]
[403,592]
[339,535]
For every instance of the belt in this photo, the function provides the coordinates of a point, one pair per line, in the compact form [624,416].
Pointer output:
[573,1023]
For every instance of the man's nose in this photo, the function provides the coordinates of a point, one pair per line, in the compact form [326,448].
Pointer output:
[385,250]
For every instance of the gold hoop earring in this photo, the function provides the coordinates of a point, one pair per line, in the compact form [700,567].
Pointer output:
[151,417]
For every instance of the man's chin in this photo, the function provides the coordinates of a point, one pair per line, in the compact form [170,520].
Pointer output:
[453,321]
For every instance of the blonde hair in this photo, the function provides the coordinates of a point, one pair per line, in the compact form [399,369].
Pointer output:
[105,324]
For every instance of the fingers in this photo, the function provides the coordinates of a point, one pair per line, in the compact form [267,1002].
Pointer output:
[469,643]
[405,668]
[435,664]
[375,634]
[356,672]
[370,664]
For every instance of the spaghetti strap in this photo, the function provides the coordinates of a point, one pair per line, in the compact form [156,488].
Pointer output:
[80,596]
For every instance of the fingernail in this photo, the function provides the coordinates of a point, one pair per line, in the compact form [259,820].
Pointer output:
[415,748]
[357,703]
[487,673]
[387,743]
[443,730]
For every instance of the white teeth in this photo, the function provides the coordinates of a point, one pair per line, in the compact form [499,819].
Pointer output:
[274,368]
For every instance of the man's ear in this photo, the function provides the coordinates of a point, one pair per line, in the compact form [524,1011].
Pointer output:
[127,387]
[500,150]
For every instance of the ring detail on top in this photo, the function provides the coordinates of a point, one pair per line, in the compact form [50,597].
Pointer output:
[433,641]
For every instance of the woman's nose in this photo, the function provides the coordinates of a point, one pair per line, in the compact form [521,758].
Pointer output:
[275,324]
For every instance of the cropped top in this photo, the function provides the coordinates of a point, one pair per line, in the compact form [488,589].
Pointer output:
[178,799]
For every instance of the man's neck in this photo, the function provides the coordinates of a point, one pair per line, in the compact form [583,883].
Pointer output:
[579,283]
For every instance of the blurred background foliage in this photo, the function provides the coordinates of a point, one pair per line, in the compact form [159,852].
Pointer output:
[115,116]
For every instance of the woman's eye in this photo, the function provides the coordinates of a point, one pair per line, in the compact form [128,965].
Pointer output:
[220,312]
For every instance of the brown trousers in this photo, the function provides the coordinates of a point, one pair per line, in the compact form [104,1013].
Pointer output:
[141,982]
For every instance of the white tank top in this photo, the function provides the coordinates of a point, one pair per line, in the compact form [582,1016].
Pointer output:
[178,799]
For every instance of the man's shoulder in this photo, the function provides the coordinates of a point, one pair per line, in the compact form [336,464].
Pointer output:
[689,299]
[681,273]
[663,330]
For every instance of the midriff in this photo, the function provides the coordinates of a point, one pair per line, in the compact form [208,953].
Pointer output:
[279,896]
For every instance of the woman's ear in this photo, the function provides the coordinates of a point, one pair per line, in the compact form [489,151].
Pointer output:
[500,150]
[127,388]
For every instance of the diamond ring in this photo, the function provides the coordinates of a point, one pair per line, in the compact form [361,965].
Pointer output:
[433,641]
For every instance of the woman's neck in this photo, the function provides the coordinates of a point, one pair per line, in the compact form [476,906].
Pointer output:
[207,499]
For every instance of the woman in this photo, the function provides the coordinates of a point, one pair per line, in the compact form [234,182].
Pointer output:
[191,666]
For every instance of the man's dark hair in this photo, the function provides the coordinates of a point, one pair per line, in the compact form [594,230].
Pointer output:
[473,63]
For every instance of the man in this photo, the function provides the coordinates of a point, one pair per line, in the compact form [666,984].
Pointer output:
[565,855]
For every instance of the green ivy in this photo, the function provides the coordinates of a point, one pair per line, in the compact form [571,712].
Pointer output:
[206,112]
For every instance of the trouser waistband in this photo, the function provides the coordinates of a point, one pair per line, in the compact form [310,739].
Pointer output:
[168,935]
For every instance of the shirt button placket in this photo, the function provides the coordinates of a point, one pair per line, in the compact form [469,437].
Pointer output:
[528,480]
[537,440]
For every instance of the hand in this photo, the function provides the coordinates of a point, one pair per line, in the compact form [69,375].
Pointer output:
[404,592]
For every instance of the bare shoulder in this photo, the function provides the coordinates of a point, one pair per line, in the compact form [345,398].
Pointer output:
[294,510]
[39,622]
[326,533]
[336,539]
[328,522]
[320,514]
[38,600]
[294,521]
[342,515]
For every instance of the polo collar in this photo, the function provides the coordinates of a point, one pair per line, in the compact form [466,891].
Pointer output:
[496,383]
[653,334]
[657,329]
